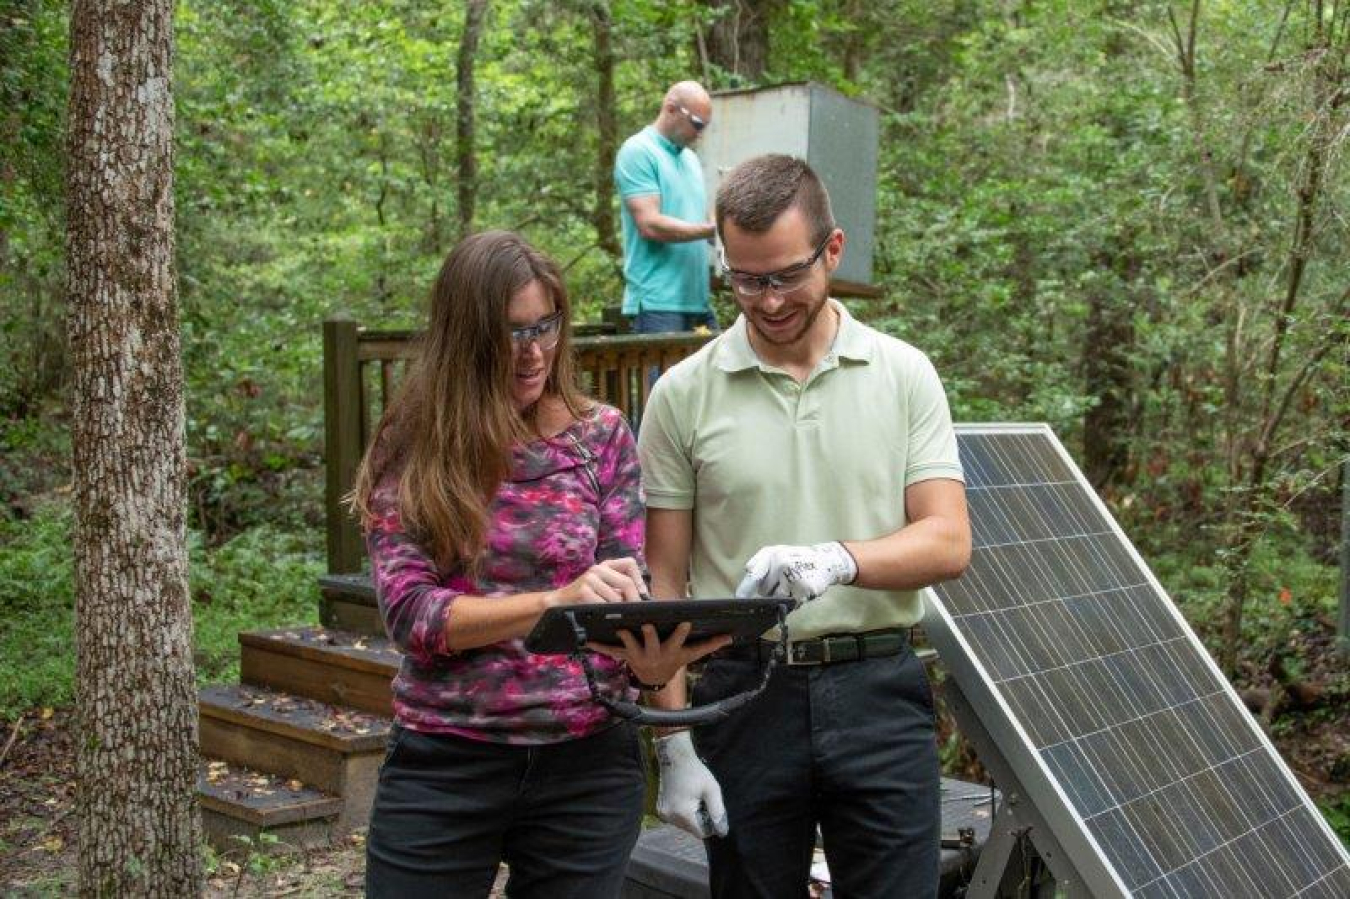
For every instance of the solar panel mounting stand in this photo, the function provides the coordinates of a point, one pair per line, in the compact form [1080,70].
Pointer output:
[1018,827]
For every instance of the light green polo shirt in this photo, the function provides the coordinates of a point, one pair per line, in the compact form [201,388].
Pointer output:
[761,459]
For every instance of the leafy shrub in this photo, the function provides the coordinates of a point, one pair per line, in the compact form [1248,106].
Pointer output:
[264,577]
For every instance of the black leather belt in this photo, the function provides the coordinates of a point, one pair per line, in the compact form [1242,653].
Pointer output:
[827,650]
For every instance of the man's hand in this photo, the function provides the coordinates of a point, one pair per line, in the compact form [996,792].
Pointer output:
[800,572]
[689,796]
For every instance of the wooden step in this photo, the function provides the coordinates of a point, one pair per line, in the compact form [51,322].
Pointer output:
[348,604]
[332,748]
[240,804]
[337,667]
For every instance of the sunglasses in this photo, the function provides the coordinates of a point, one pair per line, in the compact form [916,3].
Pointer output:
[698,123]
[544,332]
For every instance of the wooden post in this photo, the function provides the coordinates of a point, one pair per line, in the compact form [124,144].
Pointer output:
[342,441]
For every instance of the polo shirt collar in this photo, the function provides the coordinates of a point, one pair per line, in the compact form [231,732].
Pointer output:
[734,352]
[664,142]
[853,341]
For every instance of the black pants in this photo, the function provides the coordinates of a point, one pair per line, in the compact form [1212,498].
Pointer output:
[849,747]
[563,816]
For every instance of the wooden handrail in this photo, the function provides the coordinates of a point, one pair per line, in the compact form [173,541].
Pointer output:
[362,368]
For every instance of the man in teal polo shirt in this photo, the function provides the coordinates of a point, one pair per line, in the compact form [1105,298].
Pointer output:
[806,455]
[665,217]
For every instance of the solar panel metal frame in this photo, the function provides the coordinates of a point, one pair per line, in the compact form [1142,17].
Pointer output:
[1011,738]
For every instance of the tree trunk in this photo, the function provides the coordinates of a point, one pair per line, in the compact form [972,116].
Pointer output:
[429,155]
[738,39]
[475,13]
[1108,347]
[1108,350]
[1343,619]
[135,697]
[607,126]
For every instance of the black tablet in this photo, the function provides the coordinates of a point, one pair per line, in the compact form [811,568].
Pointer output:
[744,619]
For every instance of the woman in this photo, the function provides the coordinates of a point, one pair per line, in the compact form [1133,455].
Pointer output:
[494,491]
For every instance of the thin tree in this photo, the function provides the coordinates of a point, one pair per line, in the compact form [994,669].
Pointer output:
[475,13]
[135,700]
[1258,364]
[607,128]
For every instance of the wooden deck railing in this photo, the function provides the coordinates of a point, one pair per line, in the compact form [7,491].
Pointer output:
[362,367]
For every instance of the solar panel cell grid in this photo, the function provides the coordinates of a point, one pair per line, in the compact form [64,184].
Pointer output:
[1153,753]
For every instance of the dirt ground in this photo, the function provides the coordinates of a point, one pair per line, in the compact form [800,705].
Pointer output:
[38,832]
[1309,723]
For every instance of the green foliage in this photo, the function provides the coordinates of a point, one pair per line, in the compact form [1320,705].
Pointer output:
[1337,813]
[33,97]
[260,578]
[37,653]
[1291,589]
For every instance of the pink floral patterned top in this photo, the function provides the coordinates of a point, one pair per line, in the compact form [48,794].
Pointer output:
[571,501]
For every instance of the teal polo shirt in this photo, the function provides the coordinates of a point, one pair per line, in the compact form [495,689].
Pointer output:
[761,460]
[658,276]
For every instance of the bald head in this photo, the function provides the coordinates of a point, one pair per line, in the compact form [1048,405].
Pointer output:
[684,111]
[687,92]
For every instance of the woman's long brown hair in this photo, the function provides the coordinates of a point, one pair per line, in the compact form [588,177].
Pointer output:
[451,426]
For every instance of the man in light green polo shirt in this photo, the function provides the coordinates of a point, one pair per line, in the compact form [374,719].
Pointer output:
[804,454]
[665,217]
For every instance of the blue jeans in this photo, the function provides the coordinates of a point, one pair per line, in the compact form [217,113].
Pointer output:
[650,321]
[849,747]
[448,810]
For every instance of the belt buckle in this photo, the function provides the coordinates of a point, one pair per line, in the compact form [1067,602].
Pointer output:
[795,654]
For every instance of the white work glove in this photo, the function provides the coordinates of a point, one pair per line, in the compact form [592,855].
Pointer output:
[689,796]
[800,572]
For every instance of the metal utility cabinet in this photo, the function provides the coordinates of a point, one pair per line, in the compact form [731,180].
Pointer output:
[837,135]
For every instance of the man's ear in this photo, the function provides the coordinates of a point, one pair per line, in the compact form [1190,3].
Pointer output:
[834,250]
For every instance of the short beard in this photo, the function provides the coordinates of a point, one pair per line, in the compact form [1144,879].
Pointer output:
[812,313]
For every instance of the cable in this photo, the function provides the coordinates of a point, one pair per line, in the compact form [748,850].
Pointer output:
[691,717]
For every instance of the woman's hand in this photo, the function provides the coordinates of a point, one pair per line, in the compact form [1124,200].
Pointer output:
[656,662]
[613,580]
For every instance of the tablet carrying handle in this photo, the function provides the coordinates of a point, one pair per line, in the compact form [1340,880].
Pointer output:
[693,717]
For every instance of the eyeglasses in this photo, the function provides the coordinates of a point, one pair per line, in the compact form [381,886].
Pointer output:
[782,282]
[698,123]
[544,332]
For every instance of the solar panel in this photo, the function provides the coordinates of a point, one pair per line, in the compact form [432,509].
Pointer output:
[1133,748]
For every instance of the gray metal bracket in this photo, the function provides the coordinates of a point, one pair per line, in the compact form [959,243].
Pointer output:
[1020,840]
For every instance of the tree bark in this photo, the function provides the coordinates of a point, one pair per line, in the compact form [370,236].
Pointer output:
[738,39]
[136,759]
[429,155]
[475,13]
[1108,352]
[607,126]
[1108,339]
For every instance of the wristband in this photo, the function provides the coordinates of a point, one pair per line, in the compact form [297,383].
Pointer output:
[650,688]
